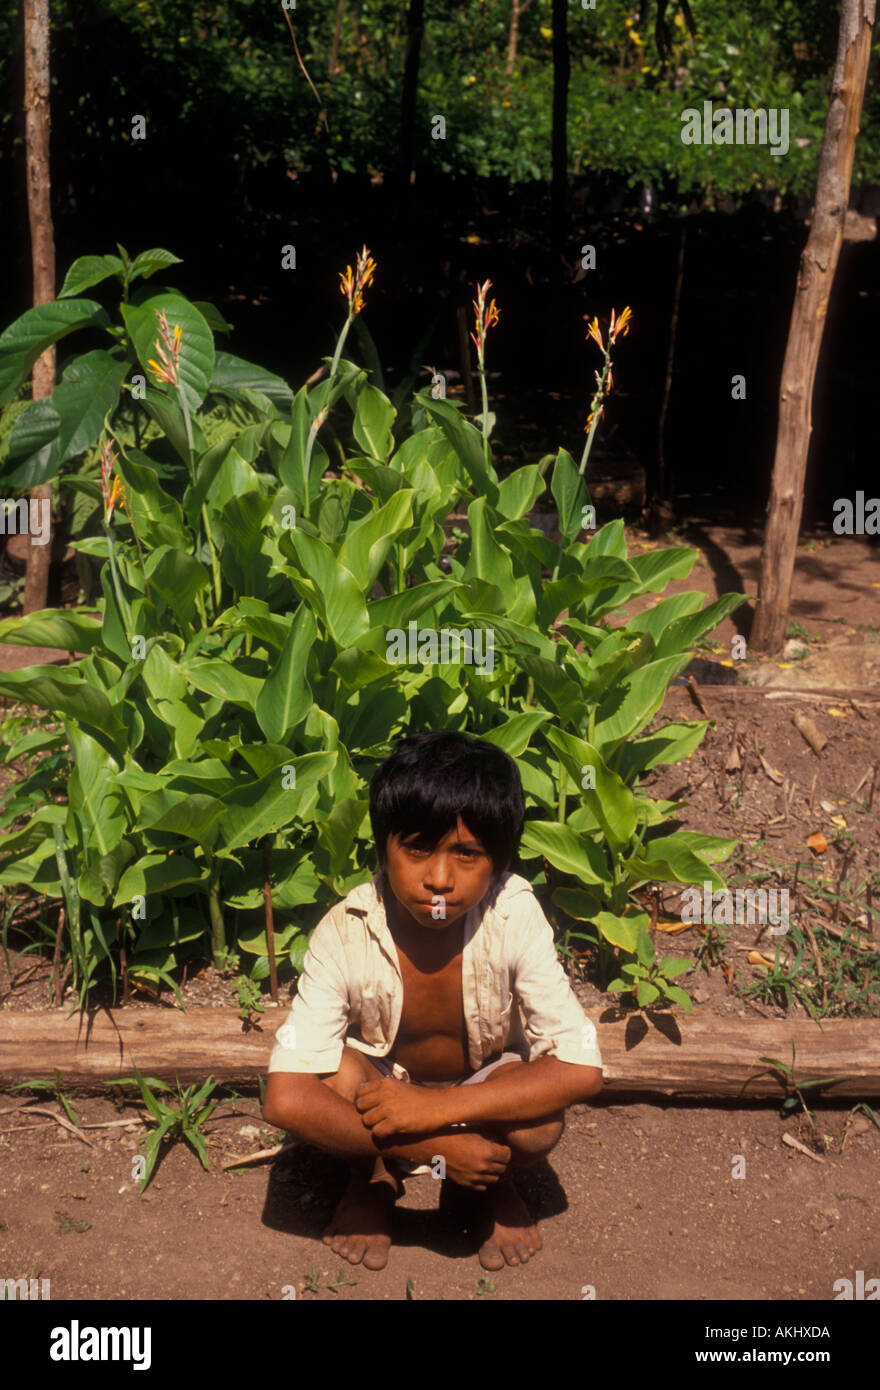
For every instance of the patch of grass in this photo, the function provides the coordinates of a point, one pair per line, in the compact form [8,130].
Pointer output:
[181,1121]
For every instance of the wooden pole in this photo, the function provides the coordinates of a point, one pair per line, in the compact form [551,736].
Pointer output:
[700,1055]
[815,279]
[559,135]
[37,122]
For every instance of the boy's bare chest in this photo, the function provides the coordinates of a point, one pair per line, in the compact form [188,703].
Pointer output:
[432,997]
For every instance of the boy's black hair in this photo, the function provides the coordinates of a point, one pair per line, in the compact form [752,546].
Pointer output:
[432,779]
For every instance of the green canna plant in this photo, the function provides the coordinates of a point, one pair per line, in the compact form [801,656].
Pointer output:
[265,632]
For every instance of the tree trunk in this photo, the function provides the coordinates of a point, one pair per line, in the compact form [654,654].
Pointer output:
[415,29]
[516,11]
[36,104]
[559,140]
[333,65]
[815,278]
[697,1055]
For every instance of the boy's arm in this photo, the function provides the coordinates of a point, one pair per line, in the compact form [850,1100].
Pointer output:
[530,1091]
[317,1115]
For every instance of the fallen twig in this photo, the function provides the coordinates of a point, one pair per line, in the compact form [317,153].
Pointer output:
[65,1124]
[793,1143]
[698,698]
[254,1158]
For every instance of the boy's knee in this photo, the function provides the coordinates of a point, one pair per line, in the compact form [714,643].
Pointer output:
[531,1141]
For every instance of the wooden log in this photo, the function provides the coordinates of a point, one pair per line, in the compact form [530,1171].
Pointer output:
[700,1055]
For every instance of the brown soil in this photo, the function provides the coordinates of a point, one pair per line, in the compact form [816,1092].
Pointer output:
[638,1200]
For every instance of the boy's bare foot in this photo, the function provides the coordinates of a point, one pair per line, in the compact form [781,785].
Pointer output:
[513,1238]
[360,1228]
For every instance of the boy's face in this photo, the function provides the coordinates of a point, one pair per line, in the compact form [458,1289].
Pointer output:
[436,884]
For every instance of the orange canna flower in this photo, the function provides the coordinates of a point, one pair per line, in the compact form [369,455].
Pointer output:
[354,282]
[622,324]
[594,332]
[486,317]
[113,493]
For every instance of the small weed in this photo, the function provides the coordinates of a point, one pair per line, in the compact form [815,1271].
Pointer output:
[55,1088]
[181,1121]
[66,1223]
[250,999]
[795,1088]
[312,1283]
[411,1295]
[485,1286]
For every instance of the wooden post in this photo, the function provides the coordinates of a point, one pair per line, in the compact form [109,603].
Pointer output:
[815,278]
[37,122]
[559,137]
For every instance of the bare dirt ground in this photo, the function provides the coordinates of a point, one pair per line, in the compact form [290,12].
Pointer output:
[638,1201]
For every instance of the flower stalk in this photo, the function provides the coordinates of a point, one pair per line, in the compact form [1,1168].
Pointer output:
[352,284]
[605,378]
[486,316]
[167,369]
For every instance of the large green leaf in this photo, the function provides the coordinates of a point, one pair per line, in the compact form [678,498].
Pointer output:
[570,494]
[515,734]
[573,854]
[467,443]
[368,542]
[231,374]
[86,395]
[285,697]
[337,593]
[610,800]
[87,271]
[519,492]
[177,577]
[196,364]
[373,419]
[29,336]
[223,679]
[66,628]
[156,517]
[97,805]
[194,815]
[628,706]
[669,859]
[667,745]
[263,806]
[64,692]
[487,559]
[157,874]
[146,263]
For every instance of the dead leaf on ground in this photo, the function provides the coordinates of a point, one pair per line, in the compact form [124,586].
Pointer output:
[817,842]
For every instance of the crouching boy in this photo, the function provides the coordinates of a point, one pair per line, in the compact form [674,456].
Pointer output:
[434,1030]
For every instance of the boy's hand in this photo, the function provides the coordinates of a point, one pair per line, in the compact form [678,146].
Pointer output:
[390,1107]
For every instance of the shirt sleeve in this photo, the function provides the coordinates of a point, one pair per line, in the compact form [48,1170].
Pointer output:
[554,1023]
[312,1037]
